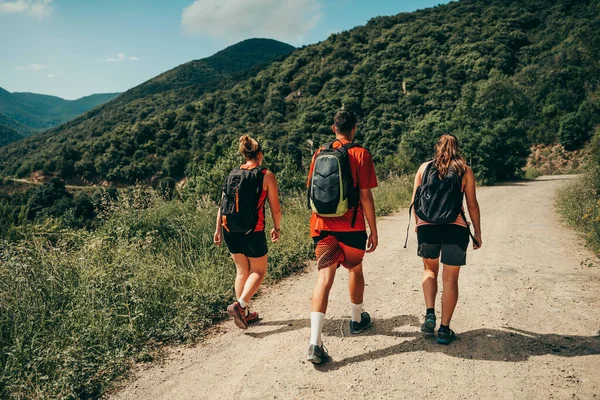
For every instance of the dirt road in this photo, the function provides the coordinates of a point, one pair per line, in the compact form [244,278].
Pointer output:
[528,321]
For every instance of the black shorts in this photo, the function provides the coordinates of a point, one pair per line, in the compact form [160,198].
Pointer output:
[357,239]
[450,240]
[253,245]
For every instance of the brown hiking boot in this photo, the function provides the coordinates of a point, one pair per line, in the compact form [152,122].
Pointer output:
[238,314]
[252,317]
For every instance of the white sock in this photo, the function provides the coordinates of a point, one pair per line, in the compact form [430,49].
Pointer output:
[242,303]
[316,326]
[357,312]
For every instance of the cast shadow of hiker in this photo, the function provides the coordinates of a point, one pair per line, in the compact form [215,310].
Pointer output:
[510,345]
[338,327]
[507,344]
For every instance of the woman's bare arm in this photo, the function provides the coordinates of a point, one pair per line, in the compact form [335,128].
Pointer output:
[273,198]
[473,205]
[417,183]
[218,238]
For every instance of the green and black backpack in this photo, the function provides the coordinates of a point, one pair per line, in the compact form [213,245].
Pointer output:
[332,191]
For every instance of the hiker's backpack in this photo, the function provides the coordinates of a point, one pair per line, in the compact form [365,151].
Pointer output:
[332,191]
[239,205]
[439,200]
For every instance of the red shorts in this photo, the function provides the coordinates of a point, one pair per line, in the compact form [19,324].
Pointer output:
[340,248]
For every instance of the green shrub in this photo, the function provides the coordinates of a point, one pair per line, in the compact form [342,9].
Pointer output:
[532,174]
[573,131]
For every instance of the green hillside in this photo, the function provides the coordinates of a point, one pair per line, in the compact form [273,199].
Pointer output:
[37,111]
[168,91]
[8,135]
[21,129]
[500,74]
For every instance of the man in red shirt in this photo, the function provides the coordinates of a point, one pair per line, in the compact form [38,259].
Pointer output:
[339,242]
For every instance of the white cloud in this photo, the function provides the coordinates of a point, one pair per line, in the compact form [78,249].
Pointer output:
[37,8]
[286,20]
[118,58]
[51,76]
[31,67]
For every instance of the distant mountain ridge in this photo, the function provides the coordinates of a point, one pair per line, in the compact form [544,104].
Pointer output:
[27,113]
[168,91]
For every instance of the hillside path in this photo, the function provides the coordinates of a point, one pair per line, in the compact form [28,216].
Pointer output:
[528,321]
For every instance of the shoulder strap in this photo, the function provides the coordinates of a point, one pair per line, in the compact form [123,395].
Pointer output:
[329,146]
[427,168]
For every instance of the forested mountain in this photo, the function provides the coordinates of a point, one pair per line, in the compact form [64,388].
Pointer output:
[38,111]
[8,135]
[163,94]
[501,74]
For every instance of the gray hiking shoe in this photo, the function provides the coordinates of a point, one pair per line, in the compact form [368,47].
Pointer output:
[317,354]
[429,324]
[358,327]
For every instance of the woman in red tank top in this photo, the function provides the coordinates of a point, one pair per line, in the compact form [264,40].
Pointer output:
[249,249]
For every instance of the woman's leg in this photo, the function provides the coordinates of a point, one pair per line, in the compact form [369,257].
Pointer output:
[258,269]
[242,265]
[450,295]
[430,285]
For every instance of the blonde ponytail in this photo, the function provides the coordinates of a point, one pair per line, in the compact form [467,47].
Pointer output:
[249,148]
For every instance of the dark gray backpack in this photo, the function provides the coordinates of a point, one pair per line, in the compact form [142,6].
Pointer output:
[332,191]
[438,200]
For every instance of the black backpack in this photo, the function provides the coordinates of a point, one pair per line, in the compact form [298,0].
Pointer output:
[332,191]
[438,200]
[239,205]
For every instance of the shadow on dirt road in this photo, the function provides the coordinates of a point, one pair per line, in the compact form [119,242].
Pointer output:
[506,344]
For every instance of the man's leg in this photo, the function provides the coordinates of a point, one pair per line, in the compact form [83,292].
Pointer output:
[356,286]
[319,300]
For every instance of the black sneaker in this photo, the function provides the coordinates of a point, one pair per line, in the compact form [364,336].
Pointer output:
[358,327]
[446,337]
[429,324]
[317,354]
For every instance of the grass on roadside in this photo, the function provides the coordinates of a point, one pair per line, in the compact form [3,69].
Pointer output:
[77,307]
[579,203]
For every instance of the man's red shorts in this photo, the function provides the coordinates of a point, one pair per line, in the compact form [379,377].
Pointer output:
[340,248]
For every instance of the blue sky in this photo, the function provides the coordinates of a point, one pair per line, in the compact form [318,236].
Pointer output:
[73,48]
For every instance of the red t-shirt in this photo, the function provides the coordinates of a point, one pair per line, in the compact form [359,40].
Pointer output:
[363,172]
